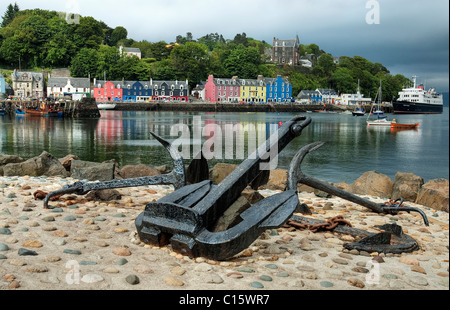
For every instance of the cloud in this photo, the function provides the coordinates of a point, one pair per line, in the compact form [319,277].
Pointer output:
[412,34]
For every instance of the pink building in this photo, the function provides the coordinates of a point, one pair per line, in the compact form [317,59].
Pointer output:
[222,90]
[108,91]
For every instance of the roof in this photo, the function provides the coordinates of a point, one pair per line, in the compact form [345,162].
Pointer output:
[38,76]
[287,43]
[62,81]
[131,50]
[308,93]
[329,92]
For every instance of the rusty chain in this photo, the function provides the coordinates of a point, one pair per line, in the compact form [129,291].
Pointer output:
[330,224]
[392,203]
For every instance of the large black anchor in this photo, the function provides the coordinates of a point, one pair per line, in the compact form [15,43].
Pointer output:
[295,176]
[176,177]
[185,217]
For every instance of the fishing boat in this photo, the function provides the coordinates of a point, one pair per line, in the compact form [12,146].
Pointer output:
[19,111]
[413,100]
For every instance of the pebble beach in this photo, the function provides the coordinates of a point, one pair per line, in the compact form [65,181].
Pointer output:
[84,245]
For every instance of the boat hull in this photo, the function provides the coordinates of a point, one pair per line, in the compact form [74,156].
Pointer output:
[405,107]
[397,125]
[106,106]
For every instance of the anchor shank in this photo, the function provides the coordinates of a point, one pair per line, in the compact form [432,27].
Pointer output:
[316,183]
[219,198]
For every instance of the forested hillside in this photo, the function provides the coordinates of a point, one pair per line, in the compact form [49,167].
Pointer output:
[40,39]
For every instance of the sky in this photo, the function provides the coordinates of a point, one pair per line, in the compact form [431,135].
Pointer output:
[409,37]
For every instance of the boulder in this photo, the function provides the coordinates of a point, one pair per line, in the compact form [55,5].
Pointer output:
[66,161]
[372,183]
[407,186]
[44,164]
[277,179]
[104,195]
[220,171]
[434,194]
[8,159]
[93,171]
[136,171]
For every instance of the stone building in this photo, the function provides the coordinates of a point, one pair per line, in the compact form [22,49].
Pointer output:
[28,85]
[286,51]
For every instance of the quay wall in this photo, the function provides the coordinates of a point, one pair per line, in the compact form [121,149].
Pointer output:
[201,106]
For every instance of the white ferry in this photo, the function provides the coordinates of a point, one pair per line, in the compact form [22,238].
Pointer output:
[416,100]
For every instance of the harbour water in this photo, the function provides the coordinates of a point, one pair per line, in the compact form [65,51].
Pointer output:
[351,148]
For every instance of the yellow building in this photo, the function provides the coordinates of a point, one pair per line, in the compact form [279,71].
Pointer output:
[253,90]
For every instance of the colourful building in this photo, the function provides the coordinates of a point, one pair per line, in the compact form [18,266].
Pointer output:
[253,91]
[222,90]
[170,90]
[137,91]
[278,89]
[108,91]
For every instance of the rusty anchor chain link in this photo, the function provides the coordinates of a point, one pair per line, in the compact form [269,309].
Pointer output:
[328,225]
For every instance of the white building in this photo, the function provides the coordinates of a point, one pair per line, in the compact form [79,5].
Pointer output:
[77,88]
[354,99]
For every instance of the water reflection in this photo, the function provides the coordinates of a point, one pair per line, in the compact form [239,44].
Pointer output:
[350,149]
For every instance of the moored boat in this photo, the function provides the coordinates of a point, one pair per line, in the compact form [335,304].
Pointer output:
[358,112]
[398,125]
[415,100]
[106,106]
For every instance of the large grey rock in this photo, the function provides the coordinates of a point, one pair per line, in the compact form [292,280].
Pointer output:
[93,171]
[136,171]
[220,171]
[8,159]
[435,194]
[44,164]
[407,186]
[372,183]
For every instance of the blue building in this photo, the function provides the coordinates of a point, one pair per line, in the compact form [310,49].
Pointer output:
[278,89]
[2,85]
[137,91]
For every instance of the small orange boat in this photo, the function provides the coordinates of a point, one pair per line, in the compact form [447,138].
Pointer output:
[397,125]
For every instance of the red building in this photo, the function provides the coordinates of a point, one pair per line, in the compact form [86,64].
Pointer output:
[108,91]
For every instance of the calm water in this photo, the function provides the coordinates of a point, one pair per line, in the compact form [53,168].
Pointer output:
[351,147]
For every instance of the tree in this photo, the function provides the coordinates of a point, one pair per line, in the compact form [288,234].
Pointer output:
[240,39]
[342,80]
[190,61]
[10,13]
[88,33]
[243,62]
[85,63]
[326,61]
[119,33]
